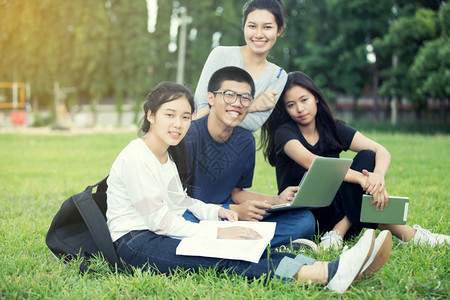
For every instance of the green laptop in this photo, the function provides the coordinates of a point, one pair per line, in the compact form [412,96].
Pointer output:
[395,213]
[319,185]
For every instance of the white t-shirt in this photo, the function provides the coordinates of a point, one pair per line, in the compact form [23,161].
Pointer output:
[145,194]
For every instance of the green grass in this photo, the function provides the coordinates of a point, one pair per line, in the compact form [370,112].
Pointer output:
[407,127]
[38,172]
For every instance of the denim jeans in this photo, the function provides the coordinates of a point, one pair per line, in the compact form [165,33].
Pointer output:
[147,250]
[291,225]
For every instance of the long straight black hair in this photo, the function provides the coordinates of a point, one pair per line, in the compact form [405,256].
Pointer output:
[329,139]
[163,93]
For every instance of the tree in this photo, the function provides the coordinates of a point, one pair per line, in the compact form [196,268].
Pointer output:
[403,40]
[88,68]
[128,52]
[330,42]
[162,61]
[36,43]
[212,23]
[101,47]
[430,72]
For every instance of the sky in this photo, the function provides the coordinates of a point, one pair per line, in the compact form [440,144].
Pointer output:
[152,8]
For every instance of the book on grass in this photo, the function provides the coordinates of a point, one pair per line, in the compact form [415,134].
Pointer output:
[395,213]
[248,250]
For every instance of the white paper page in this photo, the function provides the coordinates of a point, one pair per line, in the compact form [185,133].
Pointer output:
[248,250]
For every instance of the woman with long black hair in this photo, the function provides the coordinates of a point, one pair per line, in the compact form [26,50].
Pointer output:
[302,127]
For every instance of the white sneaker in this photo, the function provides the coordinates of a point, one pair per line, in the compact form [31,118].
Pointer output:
[425,237]
[380,254]
[299,244]
[331,239]
[351,263]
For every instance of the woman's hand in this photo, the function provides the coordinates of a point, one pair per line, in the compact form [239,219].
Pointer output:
[374,182]
[264,101]
[228,214]
[287,195]
[238,233]
[381,199]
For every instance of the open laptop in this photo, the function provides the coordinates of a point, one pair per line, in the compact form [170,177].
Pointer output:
[319,185]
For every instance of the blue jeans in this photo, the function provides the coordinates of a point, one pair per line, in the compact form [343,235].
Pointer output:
[147,250]
[291,225]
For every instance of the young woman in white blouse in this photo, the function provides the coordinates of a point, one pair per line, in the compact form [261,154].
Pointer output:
[146,201]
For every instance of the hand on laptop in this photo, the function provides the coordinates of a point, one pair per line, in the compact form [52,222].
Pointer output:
[287,195]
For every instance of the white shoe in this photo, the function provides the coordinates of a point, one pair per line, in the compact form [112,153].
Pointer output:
[380,254]
[425,237]
[351,263]
[299,244]
[331,239]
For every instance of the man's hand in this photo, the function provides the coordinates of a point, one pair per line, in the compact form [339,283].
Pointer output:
[251,210]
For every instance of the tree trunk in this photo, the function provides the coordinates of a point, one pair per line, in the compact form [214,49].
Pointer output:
[393,106]
[376,114]
[355,108]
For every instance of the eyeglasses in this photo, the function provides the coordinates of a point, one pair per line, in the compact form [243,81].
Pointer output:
[229,97]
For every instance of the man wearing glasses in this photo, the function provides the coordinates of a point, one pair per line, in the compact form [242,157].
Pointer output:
[221,161]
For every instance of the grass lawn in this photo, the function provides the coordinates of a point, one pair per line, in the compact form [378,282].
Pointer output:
[38,172]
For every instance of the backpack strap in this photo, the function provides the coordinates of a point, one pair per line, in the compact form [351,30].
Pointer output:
[102,186]
[95,221]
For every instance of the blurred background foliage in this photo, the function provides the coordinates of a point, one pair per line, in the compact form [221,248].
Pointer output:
[394,49]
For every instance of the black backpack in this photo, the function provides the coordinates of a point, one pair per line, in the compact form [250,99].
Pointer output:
[79,228]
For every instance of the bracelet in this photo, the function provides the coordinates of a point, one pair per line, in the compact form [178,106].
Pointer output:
[226,206]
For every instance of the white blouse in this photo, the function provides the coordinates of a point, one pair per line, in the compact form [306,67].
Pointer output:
[145,194]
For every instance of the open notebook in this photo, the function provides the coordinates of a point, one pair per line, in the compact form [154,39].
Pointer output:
[319,185]
[248,250]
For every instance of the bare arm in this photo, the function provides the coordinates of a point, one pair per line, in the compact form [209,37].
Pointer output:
[374,183]
[251,206]
[239,196]
[375,180]
[264,101]
[200,113]
[298,153]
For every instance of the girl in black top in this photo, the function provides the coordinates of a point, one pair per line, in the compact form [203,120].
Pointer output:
[303,127]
